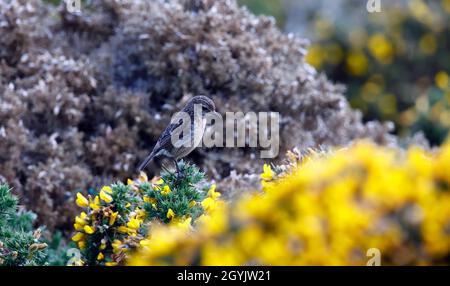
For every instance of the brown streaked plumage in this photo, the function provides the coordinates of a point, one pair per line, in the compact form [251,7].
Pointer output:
[164,146]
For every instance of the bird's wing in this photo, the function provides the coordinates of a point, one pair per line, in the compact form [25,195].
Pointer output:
[165,138]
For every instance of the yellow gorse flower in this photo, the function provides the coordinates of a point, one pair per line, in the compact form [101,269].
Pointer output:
[80,221]
[100,256]
[116,245]
[122,229]
[118,226]
[326,211]
[78,236]
[95,204]
[209,204]
[267,173]
[81,244]
[185,224]
[82,201]
[166,190]
[107,189]
[134,223]
[89,229]
[113,217]
[105,196]
[170,214]
[212,193]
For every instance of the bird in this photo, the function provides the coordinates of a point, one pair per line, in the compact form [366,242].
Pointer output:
[175,148]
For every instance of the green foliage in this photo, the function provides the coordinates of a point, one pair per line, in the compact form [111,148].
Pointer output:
[19,246]
[118,217]
[183,198]
[273,8]
[57,250]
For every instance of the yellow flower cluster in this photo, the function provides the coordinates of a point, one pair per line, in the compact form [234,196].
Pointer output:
[385,62]
[108,229]
[118,219]
[327,211]
[159,241]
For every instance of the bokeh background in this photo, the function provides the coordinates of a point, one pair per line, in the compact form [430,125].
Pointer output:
[395,64]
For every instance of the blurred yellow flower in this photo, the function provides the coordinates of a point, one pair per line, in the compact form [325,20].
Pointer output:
[185,224]
[315,56]
[357,63]
[208,204]
[442,80]
[326,211]
[380,47]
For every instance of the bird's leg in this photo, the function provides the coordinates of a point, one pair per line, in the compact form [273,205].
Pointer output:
[180,175]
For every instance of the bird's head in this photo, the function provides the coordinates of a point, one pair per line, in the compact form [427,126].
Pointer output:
[206,103]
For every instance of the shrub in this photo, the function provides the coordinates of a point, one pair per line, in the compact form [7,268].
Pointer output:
[327,211]
[19,244]
[118,218]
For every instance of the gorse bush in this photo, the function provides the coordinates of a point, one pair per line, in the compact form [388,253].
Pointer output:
[117,219]
[327,211]
[19,244]
[395,63]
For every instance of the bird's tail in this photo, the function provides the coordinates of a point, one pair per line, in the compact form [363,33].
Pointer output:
[146,162]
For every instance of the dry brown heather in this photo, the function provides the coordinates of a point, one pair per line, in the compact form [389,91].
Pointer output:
[84,98]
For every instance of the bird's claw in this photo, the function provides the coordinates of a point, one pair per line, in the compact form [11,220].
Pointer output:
[180,177]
